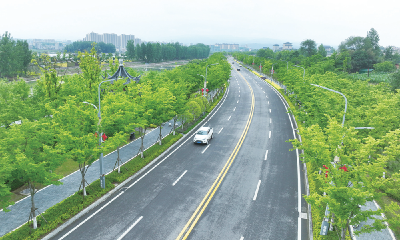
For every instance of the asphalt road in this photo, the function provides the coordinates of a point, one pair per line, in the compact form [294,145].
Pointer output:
[256,195]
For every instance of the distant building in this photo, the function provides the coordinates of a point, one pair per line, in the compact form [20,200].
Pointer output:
[287,46]
[328,48]
[219,47]
[119,42]
[275,47]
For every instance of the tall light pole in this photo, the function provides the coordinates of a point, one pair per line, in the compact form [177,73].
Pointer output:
[345,99]
[324,225]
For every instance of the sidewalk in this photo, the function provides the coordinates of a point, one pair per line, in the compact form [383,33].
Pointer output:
[51,195]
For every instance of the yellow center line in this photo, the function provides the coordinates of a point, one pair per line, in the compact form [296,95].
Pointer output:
[221,175]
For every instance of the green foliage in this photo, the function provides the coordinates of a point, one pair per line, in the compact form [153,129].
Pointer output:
[90,66]
[155,52]
[72,205]
[365,153]
[308,48]
[81,46]
[14,56]
[130,50]
[395,81]
[387,66]
[364,52]
[321,50]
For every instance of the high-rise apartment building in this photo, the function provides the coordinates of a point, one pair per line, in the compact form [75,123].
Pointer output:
[118,41]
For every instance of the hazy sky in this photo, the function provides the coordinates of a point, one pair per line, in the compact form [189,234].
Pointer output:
[206,21]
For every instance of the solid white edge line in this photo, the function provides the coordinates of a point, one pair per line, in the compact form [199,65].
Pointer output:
[126,232]
[220,130]
[266,154]
[206,148]
[298,170]
[258,187]
[227,92]
[105,205]
[177,180]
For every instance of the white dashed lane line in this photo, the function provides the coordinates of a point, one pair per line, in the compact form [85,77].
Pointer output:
[177,180]
[258,187]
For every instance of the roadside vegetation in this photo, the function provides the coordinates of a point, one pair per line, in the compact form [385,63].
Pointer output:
[50,131]
[346,166]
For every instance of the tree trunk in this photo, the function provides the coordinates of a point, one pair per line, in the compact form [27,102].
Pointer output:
[82,170]
[33,208]
[174,124]
[118,159]
[160,135]
[142,138]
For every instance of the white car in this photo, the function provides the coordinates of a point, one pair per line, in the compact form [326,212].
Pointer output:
[203,135]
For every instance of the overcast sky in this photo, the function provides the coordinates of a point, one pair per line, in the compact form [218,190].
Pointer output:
[206,21]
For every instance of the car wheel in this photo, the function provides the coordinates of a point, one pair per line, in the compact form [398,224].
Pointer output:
[211,136]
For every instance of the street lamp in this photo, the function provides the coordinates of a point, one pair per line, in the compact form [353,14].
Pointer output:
[345,99]
[324,226]
[304,73]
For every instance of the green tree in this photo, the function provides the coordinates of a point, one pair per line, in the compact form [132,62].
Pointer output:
[6,55]
[345,190]
[322,51]
[308,47]
[32,149]
[90,66]
[6,168]
[149,52]
[130,50]
[78,127]
[387,66]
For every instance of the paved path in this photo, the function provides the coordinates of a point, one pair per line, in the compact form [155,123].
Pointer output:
[51,195]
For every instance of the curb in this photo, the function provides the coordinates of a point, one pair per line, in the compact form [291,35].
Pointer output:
[107,195]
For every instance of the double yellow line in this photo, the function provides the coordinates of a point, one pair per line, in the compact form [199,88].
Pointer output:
[206,200]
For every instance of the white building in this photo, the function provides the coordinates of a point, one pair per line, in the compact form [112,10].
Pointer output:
[287,46]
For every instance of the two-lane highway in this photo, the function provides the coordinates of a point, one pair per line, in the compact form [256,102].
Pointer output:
[244,183]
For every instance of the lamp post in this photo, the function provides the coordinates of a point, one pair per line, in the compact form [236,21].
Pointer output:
[345,99]
[304,73]
[324,225]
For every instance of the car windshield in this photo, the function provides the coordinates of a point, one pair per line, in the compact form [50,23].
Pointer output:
[201,132]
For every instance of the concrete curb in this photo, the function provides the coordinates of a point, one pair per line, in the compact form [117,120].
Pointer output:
[107,195]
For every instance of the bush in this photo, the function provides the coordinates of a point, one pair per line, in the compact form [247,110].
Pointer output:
[387,66]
